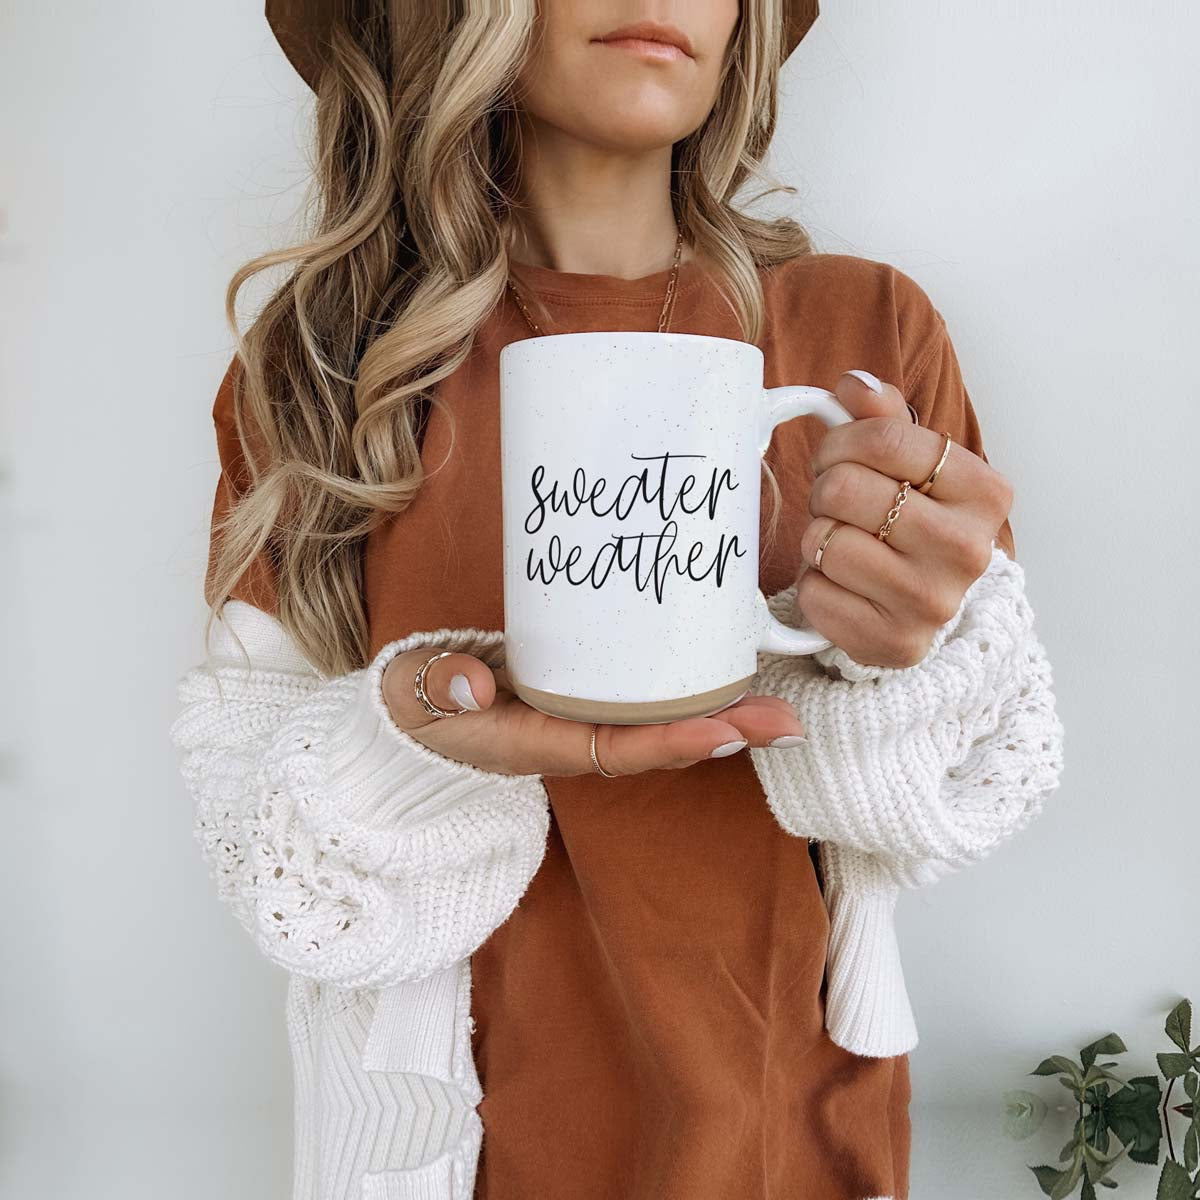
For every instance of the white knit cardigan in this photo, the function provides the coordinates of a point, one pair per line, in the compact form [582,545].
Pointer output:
[371,867]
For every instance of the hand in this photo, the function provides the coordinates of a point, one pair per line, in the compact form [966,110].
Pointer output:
[510,737]
[883,601]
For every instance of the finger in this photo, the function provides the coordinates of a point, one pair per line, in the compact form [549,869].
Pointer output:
[854,622]
[865,395]
[858,562]
[630,749]
[627,749]
[902,587]
[760,724]
[896,447]
[776,702]
[862,497]
[454,682]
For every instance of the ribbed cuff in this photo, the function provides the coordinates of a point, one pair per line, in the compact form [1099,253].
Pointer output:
[867,1008]
[382,776]
[845,868]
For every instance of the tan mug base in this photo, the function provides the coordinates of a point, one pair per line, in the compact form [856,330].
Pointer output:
[651,712]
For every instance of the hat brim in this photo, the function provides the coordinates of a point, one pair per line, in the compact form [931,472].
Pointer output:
[798,18]
[301,29]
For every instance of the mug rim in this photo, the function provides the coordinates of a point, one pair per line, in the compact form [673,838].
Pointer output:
[592,334]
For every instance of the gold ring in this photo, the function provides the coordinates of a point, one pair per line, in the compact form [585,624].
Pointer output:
[893,512]
[912,412]
[825,542]
[419,687]
[592,751]
[927,486]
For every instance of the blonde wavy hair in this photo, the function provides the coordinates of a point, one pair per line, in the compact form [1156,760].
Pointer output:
[415,165]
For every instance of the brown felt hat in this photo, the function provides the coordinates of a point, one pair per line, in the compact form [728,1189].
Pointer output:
[300,27]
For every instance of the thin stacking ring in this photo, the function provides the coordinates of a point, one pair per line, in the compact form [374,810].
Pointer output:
[419,687]
[820,554]
[592,751]
[927,486]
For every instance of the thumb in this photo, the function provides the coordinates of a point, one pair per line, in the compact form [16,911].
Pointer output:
[863,395]
[457,681]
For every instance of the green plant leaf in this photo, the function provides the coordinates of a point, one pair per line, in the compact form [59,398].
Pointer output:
[1024,1113]
[1174,1065]
[1056,1064]
[1173,1183]
[1098,1170]
[1191,1148]
[1191,1081]
[1132,1115]
[1096,1085]
[1108,1183]
[1179,1025]
[1066,1185]
[1108,1157]
[1109,1044]
[1047,1177]
[1095,1128]
[1087,1192]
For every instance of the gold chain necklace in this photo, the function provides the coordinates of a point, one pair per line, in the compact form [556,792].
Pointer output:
[664,317]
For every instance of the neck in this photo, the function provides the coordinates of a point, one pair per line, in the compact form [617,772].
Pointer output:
[592,210]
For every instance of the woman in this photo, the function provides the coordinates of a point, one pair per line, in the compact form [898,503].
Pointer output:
[531,957]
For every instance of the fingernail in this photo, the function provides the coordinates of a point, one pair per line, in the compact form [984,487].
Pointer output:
[867,378]
[460,689]
[727,748]
[788,739]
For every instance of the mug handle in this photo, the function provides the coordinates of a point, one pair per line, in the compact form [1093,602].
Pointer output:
[782,404]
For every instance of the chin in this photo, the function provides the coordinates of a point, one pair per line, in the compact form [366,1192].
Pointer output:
[634,123]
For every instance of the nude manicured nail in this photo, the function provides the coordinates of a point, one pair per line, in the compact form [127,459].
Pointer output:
[869,379]
[727,748]
[460,689]
[788,739]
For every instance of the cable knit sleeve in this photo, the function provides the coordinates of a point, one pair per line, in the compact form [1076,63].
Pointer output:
[932,766]
[353,853]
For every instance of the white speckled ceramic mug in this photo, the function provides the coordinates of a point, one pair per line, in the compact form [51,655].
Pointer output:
[631,475]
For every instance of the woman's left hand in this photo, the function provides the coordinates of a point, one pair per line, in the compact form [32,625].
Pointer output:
[882,601]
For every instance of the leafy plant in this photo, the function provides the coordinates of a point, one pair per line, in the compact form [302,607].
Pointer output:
[1117,1117]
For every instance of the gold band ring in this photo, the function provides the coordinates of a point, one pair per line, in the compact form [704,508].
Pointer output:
[419,687]
[893,512]
[927,486]
[595,760]
[820,554]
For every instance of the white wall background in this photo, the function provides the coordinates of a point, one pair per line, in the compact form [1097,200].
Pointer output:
[1033,166]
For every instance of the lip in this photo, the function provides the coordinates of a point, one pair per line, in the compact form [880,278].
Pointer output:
[644,34]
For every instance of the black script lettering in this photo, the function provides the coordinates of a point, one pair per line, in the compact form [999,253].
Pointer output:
[633,488]
[649,557]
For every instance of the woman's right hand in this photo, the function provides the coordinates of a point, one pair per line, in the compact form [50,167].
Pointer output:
[509,737]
